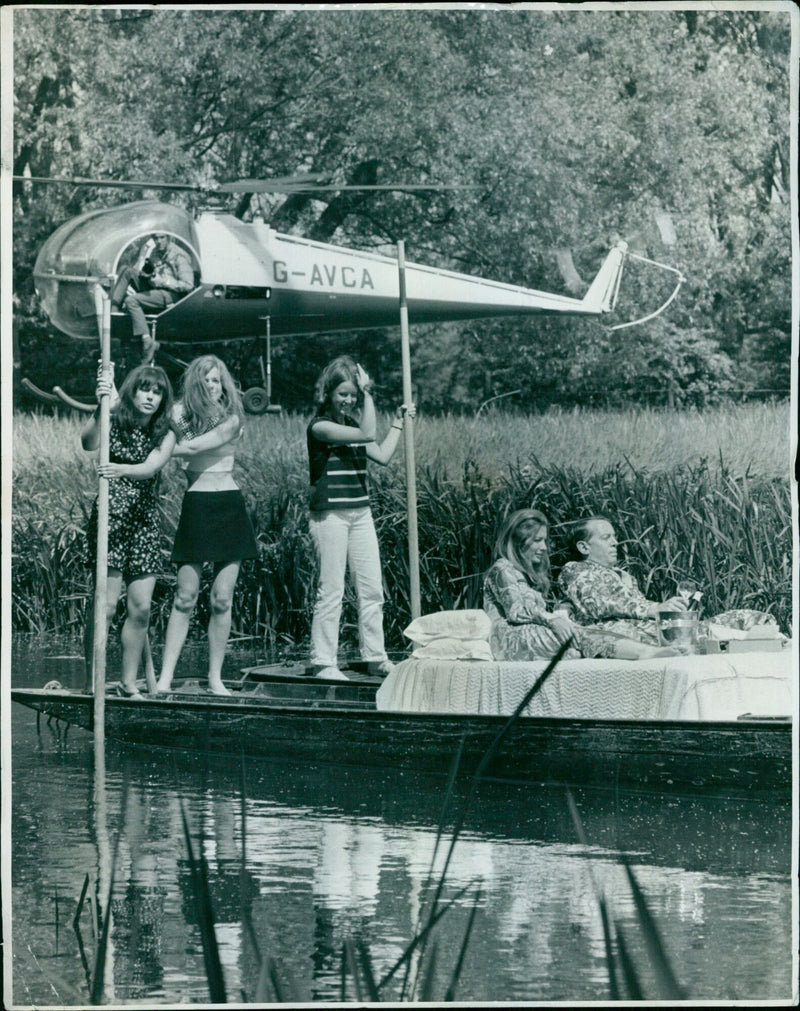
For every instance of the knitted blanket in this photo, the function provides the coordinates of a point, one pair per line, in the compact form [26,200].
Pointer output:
[716,687]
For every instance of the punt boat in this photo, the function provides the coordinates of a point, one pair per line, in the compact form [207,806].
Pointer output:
[279,713]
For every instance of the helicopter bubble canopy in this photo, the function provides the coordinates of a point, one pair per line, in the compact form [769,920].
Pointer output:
[87,250]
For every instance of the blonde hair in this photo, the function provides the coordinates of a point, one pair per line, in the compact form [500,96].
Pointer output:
[515,531]
[199,410]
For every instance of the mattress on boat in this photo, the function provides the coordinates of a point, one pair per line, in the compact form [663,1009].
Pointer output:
[714,687]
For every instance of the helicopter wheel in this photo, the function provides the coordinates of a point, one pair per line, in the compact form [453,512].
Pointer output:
[255,400]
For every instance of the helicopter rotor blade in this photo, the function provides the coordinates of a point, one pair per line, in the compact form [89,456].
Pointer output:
[269,186]
[277,184]
[274,183]
[119,184]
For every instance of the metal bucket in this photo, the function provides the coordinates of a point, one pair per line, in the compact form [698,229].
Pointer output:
[678,629]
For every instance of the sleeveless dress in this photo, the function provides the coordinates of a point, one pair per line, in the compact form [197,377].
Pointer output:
[134,533]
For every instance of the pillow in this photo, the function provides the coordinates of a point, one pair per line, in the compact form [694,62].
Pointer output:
[445,647]
[470,625]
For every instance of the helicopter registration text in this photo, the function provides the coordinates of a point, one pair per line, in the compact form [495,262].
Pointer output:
[326,275]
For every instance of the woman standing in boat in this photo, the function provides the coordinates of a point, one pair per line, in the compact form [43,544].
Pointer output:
[514,597]
[141,440]
[214,525]
[342,528]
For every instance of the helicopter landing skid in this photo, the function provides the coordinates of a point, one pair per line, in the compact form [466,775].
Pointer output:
[76,405]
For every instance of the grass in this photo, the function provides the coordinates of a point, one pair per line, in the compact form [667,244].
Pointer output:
[752,438]
[698,494]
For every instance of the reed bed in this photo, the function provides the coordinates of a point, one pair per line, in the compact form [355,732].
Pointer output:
[752,438]
[699,494]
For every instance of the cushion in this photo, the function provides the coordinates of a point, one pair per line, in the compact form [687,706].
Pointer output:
[445,647]
[459,625]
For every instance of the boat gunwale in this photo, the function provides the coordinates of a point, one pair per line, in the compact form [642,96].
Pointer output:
[318,707]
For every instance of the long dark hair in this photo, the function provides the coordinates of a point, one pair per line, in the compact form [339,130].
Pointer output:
[145,377]
[518,528]
[341,370]
[579,531]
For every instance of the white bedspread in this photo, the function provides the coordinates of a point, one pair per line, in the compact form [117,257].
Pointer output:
[717,687]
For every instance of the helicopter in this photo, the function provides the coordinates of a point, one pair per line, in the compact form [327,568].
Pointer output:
[251,281]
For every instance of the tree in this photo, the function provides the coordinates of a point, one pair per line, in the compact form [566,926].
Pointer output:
[573,138]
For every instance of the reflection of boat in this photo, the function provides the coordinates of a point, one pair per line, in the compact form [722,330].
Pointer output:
[331,723]
[695,831]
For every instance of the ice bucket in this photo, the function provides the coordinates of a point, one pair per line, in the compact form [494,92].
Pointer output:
[678,629]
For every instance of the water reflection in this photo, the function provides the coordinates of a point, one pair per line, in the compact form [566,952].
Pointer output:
[301,858]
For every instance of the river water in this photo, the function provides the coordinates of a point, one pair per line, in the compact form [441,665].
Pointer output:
[301,859]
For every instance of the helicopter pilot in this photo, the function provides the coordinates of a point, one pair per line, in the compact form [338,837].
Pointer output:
[161,275]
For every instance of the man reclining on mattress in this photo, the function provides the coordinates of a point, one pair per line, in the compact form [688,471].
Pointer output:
[607,597]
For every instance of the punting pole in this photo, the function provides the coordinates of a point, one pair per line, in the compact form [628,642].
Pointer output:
[408,435]
[102,976]
[102,305]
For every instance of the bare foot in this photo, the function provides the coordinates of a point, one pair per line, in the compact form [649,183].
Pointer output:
[665,651]
[163,686]
[217,688]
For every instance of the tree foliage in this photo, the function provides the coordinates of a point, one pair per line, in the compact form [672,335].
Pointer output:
[577,126]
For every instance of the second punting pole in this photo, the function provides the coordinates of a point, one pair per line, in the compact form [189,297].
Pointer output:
[408,434]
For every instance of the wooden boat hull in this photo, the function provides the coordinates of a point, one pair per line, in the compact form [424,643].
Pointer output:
[744,758]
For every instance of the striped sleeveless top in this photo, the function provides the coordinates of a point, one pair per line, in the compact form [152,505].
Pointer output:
[338,472]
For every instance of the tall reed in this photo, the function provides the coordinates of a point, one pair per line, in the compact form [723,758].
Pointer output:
[726,525]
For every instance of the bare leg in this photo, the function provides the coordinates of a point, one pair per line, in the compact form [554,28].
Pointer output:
[186,593]
[219,625]
[113,590]
[149,348]
[140,594]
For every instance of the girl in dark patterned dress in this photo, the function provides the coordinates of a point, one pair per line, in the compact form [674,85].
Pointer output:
[214,525]
[514,591]
[140,443]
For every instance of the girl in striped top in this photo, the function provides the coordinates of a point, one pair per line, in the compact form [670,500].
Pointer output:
[341,438]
